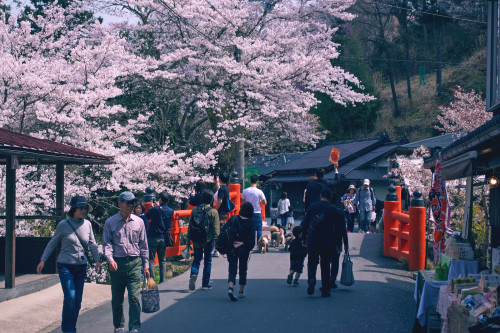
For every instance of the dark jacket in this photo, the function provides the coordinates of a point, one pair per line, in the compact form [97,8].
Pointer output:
[314,188]
[161,220]
[324,234]
[340,235]
[243,230]
[297,250]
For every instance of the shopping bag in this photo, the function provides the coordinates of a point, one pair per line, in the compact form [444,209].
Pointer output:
[150,296]
[347,277]
[186,253]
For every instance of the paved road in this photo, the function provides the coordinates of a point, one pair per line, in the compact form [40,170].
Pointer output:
[381,300]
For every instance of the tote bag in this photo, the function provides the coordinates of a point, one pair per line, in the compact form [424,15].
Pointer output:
[347,277]
[150,297]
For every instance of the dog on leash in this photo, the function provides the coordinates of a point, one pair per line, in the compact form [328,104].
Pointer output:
[263,243]
[278,237]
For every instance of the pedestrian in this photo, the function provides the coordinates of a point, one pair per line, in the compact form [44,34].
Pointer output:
[244,241]
[203,217]
[274,213]
[284,208]
[75,236]
[160,216]
[256,197]
[195,198]
[314,188]
[318,226]
[365,201]
[126,248]
[139,211]
[221,199]
[339,238]
[298,253]
[349,208]
[289,220]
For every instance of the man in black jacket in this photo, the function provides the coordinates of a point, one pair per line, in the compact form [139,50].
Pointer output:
[314,188]
[318,226]
[161,222]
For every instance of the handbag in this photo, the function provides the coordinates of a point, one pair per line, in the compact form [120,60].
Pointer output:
[347,277]
[230,205]
[85,249]
[150,296]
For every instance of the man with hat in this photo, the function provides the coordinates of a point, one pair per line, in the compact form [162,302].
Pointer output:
[126,248]
[365,201]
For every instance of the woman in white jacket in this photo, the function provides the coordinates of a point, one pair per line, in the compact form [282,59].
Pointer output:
[283,208]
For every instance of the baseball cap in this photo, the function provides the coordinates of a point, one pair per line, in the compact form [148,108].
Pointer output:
[126,196]
[366,182]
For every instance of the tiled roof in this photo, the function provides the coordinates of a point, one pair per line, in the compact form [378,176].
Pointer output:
[34,150]
[440,141]
[319,158]
[270,162]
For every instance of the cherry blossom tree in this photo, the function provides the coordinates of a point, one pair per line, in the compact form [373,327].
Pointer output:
[242,70]
[466,113]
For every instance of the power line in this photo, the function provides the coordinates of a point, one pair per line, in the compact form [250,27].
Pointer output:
[432,14]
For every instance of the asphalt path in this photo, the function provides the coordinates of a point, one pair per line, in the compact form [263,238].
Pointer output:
[381,300]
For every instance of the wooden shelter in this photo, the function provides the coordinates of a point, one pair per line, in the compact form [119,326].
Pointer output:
[20,149]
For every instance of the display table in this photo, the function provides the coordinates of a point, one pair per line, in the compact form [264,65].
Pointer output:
[459,319]
[426,294]
[445,299]
[459,268]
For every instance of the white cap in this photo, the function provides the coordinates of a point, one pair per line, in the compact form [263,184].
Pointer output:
[366,182]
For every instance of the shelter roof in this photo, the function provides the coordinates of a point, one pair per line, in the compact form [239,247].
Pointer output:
[440,141]
[31,150]
[268,163]
[319,158]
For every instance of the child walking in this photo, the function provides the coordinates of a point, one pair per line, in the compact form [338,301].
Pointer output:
[297,255]
[274,213]
[290,221]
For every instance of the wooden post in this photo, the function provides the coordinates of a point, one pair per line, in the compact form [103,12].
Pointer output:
[467,226]
[59,189]
[10,222]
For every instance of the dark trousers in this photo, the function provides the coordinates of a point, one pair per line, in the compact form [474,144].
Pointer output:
[127,276]
[204,253]
[335,264]
[157,245]
[323,256]
[350,220]
[240,254]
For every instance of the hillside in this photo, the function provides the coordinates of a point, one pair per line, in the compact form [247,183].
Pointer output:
[419,117]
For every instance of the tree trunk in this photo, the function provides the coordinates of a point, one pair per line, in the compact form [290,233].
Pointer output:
[439,79]
[397,110]
[408,67]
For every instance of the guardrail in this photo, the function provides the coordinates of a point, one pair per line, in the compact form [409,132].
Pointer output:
[404,232]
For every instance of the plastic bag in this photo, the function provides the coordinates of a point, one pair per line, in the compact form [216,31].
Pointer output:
[347,277]
[150,296]
[186,253]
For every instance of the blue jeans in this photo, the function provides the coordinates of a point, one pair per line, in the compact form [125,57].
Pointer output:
[72,280]
[364,219]
[257,224]
[206,254]
[283,220]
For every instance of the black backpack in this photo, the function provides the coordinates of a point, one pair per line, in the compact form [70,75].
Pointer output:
[225,242]
[199,225]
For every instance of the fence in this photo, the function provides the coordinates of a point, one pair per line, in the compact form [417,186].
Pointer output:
[404,232]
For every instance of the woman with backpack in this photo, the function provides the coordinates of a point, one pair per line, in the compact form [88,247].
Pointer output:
[244,241]
[203,230]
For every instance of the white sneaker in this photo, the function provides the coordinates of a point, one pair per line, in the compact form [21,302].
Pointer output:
[119,330]
[135,330]
[241,294]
